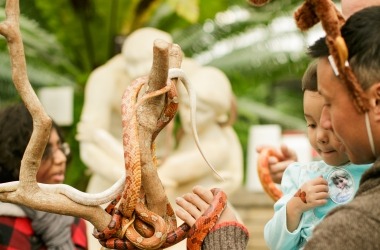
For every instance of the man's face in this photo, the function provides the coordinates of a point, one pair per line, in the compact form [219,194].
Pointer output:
[340,114]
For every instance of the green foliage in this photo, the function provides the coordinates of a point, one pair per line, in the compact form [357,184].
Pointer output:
[256,69]
[188,9]
[47,64]
[69,22]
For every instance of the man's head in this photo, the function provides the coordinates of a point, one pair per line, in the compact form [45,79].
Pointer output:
[362,36]
[362,40]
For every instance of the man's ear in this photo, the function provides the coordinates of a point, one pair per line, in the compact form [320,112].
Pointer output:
[374,99]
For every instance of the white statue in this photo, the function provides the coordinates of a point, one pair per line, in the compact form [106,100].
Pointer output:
[185,167]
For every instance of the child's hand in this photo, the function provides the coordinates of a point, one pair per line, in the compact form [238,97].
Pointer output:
[193,205]
[277,164]
[313,193]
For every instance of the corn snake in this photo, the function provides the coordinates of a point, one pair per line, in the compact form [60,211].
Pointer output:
[133,225]
[264,172]
[198,231]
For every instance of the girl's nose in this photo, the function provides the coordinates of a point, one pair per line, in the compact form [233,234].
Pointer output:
[59,156]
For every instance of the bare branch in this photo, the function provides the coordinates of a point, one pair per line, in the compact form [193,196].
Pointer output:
[28,193]
[148,114]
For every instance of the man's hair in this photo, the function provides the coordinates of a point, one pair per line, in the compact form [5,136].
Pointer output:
[309,79]
[361,33]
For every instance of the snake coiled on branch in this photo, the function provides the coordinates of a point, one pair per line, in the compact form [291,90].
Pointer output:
[133,225]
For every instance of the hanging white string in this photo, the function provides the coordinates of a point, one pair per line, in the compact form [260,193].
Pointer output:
[369,132]
[180,73]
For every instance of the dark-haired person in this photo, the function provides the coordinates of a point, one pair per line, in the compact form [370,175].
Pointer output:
[22,227]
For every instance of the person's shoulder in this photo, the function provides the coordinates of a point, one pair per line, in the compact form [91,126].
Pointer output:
[15,232]
[19,223]
[292,169]
[292,174]
[358,170]
[79,236]
[360,166]
[302,170]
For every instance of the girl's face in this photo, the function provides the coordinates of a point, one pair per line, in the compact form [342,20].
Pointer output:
[322,140]
[53,164]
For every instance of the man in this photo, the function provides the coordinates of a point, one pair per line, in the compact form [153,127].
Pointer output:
[356,224]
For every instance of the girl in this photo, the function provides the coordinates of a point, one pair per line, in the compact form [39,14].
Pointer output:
[22,227]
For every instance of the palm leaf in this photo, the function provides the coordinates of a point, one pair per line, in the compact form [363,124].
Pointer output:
[45,59]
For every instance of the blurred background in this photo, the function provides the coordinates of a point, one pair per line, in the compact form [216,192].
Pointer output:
[260,49]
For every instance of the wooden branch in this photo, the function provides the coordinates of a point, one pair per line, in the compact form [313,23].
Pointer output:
[28,193]
[165,55]
[41,122]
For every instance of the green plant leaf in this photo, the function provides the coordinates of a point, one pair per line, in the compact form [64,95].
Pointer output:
[187,9]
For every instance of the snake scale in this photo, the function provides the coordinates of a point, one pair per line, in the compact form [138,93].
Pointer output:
[264,173]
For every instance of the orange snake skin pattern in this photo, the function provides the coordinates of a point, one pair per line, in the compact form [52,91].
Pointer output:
[264,173]
[133,225]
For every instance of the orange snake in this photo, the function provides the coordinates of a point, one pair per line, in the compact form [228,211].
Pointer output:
[133,225]
[264,172]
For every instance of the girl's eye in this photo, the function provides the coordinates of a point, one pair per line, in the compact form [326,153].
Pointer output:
[50,151]
[47,152]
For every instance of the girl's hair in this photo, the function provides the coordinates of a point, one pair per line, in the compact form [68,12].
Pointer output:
[16,127]
[309,79]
